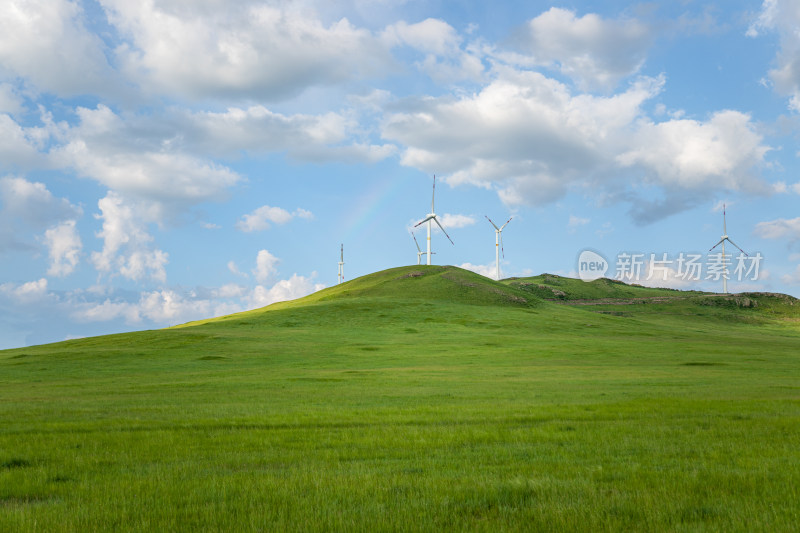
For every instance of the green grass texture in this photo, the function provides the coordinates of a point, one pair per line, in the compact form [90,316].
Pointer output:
[420,398]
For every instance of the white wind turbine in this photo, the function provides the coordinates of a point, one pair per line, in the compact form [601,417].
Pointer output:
[341,265]
[498,243]
[420,253]
[430,219]
[722,242]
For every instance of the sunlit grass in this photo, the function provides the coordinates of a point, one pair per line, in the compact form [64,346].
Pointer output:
[398,406]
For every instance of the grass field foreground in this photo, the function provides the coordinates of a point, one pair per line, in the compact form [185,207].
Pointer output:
[417,399]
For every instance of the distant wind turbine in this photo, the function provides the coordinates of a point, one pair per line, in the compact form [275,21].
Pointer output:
[341,265]
[722,242]
[498,243]
[430,219]
[420,253]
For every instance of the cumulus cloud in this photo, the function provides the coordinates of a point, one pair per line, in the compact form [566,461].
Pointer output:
[247,50]
[20,146]
[32,203]
[256,129]
[593,51]
[689,154]
[138,162]
[456,221]
[532,140]
[47,43]
[287,289]
[484,270]
[260,219]
[783,17]
[781,228]
[64,246]
[524,133]
[10,101]
[126,243]
[173,306]
[266,266]
[31,291]
[441,46]
[28,206]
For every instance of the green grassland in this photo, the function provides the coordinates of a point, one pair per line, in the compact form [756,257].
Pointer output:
[418,399]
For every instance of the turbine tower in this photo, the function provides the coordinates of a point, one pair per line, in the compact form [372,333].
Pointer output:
[341,265]
[722,242]
[430,219]
[498,244]
[420,253]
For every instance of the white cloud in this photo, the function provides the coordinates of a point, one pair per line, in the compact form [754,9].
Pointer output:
[32,203]
[793,278]
[484,270]
[235,269]
[29,206]
[260,219]
[64,245]
[46,42]
[126,243]
[231,290]
[444,60]
[287,289]
[25,293]
[256,129]
[783,17]
[576,222]
[779,229]
[266,265]
[20,145]
[456,221]
[524,134]
[174,306]
[247,50]
[10,101]
[594,52]
[690,154]
[530,139]
[135,159]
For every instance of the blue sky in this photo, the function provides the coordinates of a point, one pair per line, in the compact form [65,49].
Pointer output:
[167,161]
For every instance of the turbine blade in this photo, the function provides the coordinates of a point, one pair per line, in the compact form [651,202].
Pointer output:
[506,224]
[433,195]
[424,221]
[436,219]
[733,243]
[415,242]
[501,245]
[492,223]
[720,242]
[724,221]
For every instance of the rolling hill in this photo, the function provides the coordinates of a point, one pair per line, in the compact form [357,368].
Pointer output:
[418,399]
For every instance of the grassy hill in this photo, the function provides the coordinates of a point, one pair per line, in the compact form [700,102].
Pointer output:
[418,399]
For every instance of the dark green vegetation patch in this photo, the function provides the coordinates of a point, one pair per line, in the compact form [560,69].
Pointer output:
[418,399]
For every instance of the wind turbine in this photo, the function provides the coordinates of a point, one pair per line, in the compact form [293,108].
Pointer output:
[722,242]
[430,219]
[341,265]
[420,253]
[498,241]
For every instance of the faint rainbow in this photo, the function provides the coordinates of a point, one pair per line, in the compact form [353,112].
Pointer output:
[369,205]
